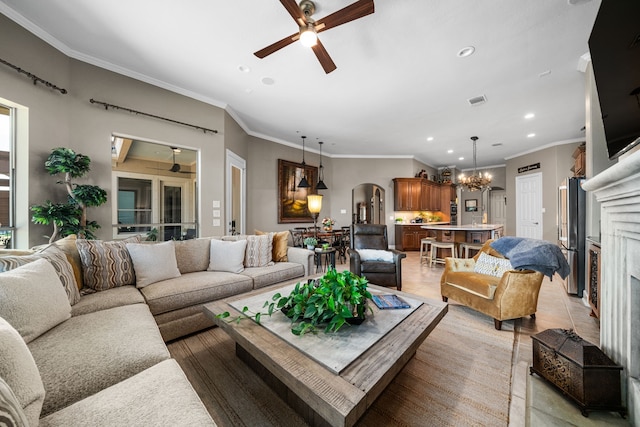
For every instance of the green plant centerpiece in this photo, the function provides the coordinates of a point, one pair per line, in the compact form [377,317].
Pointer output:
[330,301]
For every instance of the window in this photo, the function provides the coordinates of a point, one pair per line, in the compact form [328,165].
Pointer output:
[7,193]
[134,204]
[154,189]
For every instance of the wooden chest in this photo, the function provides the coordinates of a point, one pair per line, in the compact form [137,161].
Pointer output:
[579,369]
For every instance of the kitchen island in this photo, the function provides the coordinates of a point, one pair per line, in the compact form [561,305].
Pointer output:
[408,235]
[478,233]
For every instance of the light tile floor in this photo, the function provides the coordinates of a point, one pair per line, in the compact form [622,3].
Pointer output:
[534,402]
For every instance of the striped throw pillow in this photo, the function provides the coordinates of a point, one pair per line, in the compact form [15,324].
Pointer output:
[106,265]
[259,251]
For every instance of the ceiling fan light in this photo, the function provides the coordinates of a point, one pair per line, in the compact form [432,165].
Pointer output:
[308,36]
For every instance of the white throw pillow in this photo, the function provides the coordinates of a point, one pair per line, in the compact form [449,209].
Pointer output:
[375,255]
[20,372]
[33,299]
[227,256]
[153,262]
[493,266]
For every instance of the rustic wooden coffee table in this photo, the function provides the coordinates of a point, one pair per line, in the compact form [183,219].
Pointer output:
[319,395]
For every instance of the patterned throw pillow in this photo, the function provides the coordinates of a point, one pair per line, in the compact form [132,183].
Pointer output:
[490,265]
[280,244]
[259,251]
[106,265]
[60,263]
[11,413]
[68,246]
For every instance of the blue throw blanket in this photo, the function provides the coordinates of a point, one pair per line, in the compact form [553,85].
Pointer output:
[533,254]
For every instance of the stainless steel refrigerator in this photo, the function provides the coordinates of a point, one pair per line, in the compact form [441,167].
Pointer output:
[571,231]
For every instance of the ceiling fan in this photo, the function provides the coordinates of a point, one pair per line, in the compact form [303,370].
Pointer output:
[175,167]
[309,27]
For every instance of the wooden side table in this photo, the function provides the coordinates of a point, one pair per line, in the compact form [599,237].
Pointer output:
[325,258]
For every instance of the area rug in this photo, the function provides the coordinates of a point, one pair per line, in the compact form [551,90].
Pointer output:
[460,376]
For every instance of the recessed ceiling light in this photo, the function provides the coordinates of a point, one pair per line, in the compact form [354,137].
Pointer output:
[544,73]
[243,68]
[268,81]
[529,116]
[497,144]
[531,135]
[429,138]
[460,158]
[449,151]
[466,51]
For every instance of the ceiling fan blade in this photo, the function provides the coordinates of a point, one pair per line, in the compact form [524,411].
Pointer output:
[347,14]
[324,58]
[277,46]
[295,11]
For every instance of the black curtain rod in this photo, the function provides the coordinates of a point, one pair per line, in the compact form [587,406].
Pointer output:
[129,110]
[33,77]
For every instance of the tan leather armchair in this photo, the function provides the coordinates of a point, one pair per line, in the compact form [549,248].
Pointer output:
[383,273]
[511,296]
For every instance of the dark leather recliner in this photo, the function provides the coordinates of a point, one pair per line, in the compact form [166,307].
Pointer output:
[383,273]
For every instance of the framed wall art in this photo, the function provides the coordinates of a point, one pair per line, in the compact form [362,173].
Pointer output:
[292,201]
[471,205]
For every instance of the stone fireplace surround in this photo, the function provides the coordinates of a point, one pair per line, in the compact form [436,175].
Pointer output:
[618,191]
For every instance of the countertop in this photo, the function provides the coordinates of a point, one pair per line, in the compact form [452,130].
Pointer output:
[464,227]
[422,223]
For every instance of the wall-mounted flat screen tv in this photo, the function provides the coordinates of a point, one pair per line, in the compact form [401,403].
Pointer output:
[614,45]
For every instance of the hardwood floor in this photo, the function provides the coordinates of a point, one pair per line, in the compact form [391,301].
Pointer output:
[555,310]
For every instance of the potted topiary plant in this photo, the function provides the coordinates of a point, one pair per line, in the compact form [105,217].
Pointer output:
[70,217]
[332,301]
[311,242]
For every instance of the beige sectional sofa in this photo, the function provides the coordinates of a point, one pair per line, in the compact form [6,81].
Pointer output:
[98,357]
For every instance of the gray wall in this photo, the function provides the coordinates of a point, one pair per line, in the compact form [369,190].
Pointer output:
[341,176]
[56,120]
[555,165]
[498,180]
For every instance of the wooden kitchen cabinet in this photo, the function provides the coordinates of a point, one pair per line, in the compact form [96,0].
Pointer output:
[408,237]
[407,194]
[417,194]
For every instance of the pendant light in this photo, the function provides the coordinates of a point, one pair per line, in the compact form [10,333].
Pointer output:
[303,182]
[478,180]
[321,185]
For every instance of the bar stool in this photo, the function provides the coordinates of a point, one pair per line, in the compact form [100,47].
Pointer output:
[425,248]
[466,246]
[441,245]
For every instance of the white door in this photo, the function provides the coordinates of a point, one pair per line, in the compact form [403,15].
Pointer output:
[498,207]
[529,206]
[236,193]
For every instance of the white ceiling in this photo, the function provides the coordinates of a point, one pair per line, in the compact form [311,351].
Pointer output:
[399,79]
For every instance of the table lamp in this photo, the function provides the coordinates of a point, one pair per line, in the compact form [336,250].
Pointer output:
[314,204]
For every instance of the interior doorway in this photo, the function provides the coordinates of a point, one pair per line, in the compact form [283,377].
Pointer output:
[498,207]
[529,206]
[368,204]
[236,193]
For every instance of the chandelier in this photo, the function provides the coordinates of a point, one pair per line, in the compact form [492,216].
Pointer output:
[477,180]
